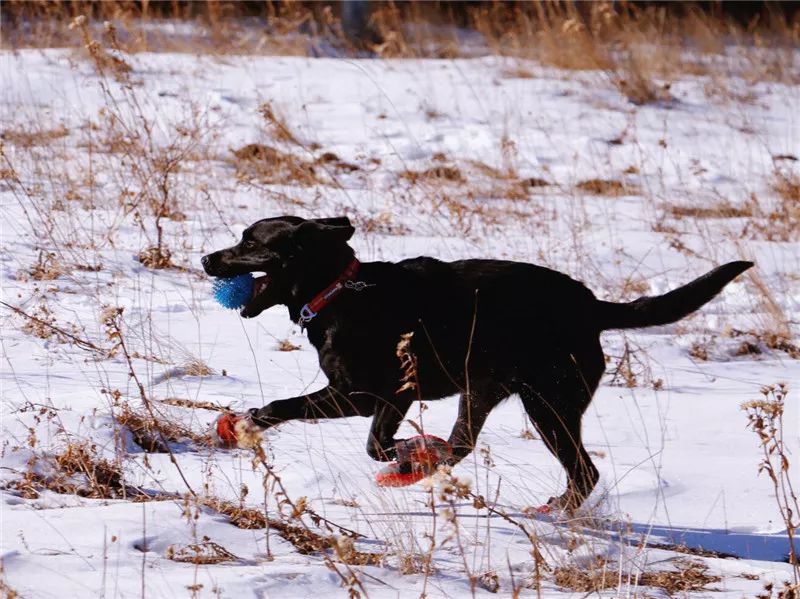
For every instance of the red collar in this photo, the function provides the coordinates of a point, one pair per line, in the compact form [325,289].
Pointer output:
[324,297]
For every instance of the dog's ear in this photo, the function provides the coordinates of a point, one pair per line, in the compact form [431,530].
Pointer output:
[335,221]
[314,230]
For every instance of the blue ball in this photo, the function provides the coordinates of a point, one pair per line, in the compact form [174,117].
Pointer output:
[234,292]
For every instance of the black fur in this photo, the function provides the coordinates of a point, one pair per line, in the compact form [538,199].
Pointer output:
[484,329]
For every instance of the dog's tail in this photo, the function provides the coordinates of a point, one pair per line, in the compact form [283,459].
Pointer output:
[672,306]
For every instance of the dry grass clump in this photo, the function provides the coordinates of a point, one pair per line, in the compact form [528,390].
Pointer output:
[271,166]
[783,221]
[105,60]
[5,589]
[589,579]
[102,476]
[156,258]
[47,268]
[411,30]
[556,34]
[330,158]
[195,367]
[461,191]
[754,341]
[721,210]
[193,405]
[787,591]
[75,471]
[206,552]
[28,138]
[286,345]
[688,576]
[634,80]
[41,323]
[787,186]
[434,174]
[277,124]
[305,540]
[606,187]
[153,434]
[517,72]
[384,223]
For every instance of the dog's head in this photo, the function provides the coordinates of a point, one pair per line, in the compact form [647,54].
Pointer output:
[298,257]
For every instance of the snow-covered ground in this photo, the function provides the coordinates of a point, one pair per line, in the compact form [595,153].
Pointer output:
[677,462]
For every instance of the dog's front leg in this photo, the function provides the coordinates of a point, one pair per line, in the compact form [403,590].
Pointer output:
[387,419]
[329,402]
[472,412]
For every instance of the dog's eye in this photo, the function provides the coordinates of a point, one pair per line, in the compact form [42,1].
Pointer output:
[249,244]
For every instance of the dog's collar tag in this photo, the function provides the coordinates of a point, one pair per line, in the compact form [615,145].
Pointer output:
[323,298]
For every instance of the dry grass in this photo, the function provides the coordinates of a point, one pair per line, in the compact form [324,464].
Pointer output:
[782,221]
[434,174]
[156,258]
[46,268]
[277,125]
[41,323]
[272,166]
[193,405]
[590,579]
[687,576]
[195,367]
[721,210]
[787,186]
[634,80]
[305,541]
[153,434]
[286,345]
[5,589]
[206,552]
[77,470]
[618,39]
[606,187]
[753,341]
[28,139]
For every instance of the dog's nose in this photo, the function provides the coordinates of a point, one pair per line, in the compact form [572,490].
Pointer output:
[205,260]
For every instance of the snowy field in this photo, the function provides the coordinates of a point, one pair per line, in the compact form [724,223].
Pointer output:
[451,158]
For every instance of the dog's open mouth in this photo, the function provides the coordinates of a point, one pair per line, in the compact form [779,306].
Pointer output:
[256,303]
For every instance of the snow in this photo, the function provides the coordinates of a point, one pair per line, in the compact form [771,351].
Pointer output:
[677,462]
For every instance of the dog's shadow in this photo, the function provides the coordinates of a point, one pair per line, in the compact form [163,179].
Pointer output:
[710,542]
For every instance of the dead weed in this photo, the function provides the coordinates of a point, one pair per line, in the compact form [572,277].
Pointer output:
[152,435]
[27,139]
[606,187]
[206,552]
[272,166]
[687,576]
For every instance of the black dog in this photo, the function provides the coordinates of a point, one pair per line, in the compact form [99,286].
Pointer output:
[485,329]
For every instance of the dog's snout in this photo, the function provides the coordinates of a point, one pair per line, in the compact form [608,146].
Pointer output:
[209,263]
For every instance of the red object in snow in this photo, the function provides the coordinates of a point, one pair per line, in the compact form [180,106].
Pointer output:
[417,458]
[226,429]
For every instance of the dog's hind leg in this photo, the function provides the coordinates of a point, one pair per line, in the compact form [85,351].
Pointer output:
[556,409]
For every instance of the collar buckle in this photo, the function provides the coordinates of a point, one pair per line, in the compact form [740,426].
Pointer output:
[306,315]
